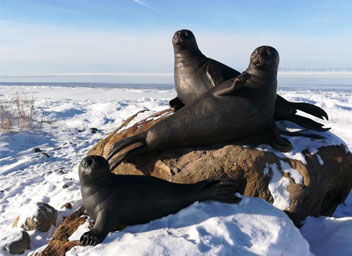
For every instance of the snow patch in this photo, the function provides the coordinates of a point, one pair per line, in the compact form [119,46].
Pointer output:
[278,188]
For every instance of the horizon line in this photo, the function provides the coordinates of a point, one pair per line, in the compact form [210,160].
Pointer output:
[167,74]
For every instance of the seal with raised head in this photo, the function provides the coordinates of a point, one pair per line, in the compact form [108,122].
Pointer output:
[195,74]
[234,110]
[114,201]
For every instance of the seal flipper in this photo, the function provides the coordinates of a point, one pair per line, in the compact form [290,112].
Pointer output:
[300,134]
[136,151]
[277,142]
[99,232]
[219,190]
[285,110]
[116,147]
[310,109]
[231,86]
[307,123]
[176,104]
[218,72]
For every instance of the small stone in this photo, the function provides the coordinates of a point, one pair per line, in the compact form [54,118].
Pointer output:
[42,219]
[65,186]
[19,245]
[67,206]
[93,130]
[37,150]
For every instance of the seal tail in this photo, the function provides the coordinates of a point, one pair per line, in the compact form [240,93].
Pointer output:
[219,190]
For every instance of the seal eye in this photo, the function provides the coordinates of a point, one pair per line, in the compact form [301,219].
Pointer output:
[87,162]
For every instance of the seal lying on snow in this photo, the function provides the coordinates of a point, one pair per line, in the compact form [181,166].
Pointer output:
[120,200]
[231,111]
[195,74]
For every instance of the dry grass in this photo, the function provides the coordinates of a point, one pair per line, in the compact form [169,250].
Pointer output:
[18,115]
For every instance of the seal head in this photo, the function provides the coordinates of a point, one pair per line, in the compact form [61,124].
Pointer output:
[93,169]
[184,40]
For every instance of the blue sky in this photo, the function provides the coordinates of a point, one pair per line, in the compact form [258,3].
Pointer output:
[105,36]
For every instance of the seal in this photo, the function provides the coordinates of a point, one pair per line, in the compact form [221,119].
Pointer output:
[234,110]
[195,74]
[114,201]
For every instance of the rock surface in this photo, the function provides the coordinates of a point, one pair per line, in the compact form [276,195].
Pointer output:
[316,182]
[59,243]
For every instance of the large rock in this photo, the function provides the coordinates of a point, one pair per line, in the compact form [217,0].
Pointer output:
[311,180]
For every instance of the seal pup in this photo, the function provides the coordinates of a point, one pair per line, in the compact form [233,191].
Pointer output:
[195,74]
[231,111]
[114,201]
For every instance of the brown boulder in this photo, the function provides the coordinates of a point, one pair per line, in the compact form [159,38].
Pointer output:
[326,175]
[16,242]
[59,243]
[41,217]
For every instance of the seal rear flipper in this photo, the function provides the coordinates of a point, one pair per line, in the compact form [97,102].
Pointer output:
[307,123]
[176,104]
[133,152]
[231,86]
[116,147]
[310,109]
[300,134]
[219,190]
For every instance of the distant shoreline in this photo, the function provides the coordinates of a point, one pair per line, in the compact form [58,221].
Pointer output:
[281,72]
[335,80]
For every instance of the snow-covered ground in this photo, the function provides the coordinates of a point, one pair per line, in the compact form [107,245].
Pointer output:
[252,227]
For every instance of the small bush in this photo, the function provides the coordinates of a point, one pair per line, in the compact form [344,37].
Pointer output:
[18,115]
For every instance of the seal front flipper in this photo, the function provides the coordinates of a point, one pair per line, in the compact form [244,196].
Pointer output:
[218,72]
[231,86]
[175,104]
[277,142]
[219,190]
[99,232]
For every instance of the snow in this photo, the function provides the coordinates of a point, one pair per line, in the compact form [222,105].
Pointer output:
[278,188]
[253,227]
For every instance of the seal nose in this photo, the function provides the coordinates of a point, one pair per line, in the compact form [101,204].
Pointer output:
[176,38]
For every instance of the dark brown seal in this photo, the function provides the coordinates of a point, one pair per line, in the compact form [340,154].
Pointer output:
[114,201]
[231,111]
[195,74]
